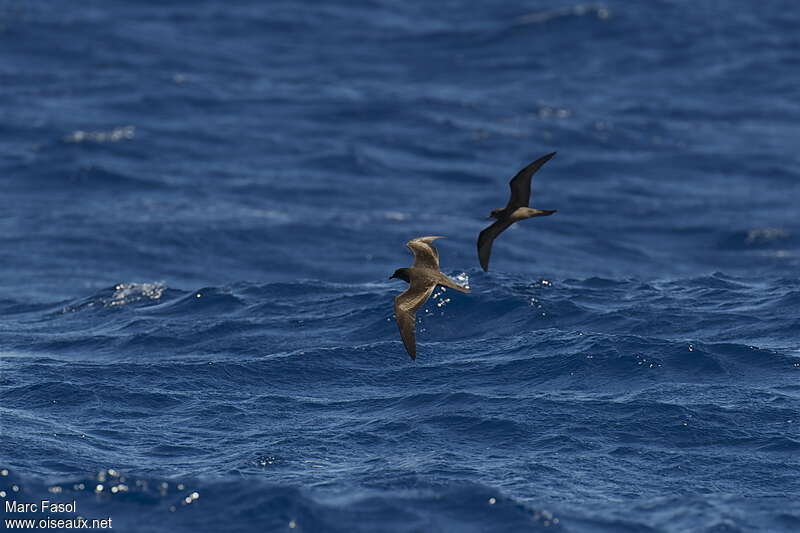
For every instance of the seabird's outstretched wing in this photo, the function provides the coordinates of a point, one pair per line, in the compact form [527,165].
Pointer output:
[405,310]
[487,237]
[521,184]
[425,254]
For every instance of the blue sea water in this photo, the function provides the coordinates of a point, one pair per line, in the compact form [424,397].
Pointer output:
[201,203]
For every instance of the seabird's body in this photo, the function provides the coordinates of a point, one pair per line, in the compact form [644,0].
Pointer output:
[517,209]
[422,278]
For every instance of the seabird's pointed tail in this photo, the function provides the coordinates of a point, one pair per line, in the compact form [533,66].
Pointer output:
[449,283]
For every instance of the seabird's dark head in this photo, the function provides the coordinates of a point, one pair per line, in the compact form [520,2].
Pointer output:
[495,213]
[401,273]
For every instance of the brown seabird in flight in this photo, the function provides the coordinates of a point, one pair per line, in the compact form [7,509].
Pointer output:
[422,277]
[517,209]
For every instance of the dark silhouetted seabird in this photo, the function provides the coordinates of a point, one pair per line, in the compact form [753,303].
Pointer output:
[517,209]
[423,277]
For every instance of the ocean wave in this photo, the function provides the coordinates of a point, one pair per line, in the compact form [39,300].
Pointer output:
[202,202]
[621,322]
[184,505]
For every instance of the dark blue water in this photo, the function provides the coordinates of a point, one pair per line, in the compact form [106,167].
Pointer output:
[201,203]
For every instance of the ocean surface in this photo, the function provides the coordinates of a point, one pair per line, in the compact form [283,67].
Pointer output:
[201,203]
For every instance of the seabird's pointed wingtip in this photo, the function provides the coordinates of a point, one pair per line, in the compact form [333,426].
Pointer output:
[545,158]
[413,356]
[428,238]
